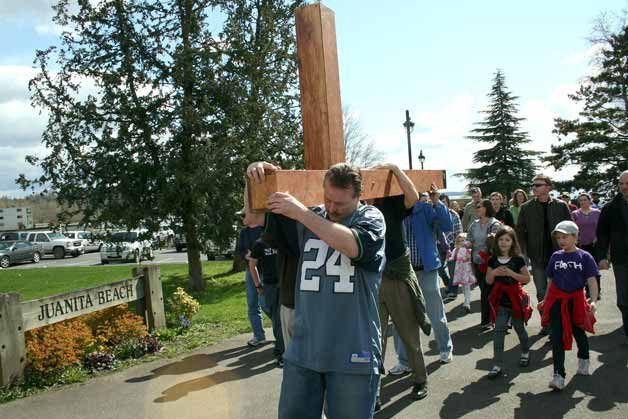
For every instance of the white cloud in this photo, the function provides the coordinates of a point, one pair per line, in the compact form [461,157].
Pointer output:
[583,57]
[25,8]
[14,82]
[21,124]
[440,133]
[12,164]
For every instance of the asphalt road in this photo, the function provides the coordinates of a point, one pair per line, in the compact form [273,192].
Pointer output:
[93,259]
[230,380]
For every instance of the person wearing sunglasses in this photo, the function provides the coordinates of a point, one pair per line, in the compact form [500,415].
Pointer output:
[537,219]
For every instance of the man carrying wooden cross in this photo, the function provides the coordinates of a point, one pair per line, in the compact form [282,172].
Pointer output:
[335,353]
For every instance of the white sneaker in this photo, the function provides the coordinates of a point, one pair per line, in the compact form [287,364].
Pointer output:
[399,370]
[445,357]
[256,342]
[583,367]
[558,382]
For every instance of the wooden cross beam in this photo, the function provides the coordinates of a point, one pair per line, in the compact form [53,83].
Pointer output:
[321,111]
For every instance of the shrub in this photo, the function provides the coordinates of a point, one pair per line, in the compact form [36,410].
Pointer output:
[182,308]
[150,344]
[131,348]
[57,346]
[115,325]
[166,334]
[99,361]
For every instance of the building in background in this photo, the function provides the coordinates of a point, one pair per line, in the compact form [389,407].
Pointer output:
[18,218]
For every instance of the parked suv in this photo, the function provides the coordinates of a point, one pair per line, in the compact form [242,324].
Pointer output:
[126,246]
[90,242]
[56,244]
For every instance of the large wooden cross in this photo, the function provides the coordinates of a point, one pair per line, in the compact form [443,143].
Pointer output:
[321,110]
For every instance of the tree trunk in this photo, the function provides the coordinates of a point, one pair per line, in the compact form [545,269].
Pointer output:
[190,207]
[195,268]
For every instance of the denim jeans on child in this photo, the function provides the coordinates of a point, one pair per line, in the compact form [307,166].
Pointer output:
[499,334]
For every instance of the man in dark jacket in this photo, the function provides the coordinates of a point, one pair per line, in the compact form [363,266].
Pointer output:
[612,230]
[536,221]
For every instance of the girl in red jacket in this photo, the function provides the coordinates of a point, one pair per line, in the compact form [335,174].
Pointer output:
[565,307]
[507,272]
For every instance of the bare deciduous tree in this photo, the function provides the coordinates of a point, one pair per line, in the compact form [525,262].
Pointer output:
[359,148]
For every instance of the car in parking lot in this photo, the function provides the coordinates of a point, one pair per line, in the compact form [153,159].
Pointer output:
[90,242]
[209,248]
[56,244]
[12,252]
[130,246]
[13,235]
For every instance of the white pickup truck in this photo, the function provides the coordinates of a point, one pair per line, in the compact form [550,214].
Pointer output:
[56,244]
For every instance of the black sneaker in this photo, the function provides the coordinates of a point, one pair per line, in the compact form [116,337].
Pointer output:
[419,391]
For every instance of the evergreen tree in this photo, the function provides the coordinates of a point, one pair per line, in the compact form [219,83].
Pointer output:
[505,166]
[597,141]
[157,106]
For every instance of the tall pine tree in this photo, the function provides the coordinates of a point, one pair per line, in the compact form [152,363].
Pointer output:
[597,141]
[157,106]
[505,166]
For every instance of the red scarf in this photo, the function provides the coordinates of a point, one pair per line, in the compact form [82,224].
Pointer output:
[581,315]
[519,299]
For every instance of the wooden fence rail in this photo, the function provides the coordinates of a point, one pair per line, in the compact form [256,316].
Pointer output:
[18,317]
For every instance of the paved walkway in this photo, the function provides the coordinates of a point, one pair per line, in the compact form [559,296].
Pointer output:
[230,380]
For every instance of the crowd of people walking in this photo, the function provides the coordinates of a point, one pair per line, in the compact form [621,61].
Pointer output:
[331,278]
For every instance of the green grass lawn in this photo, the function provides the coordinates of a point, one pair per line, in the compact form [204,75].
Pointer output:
[223,311]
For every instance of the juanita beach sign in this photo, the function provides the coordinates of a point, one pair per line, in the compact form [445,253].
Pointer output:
[17,317]
[54,309]
[92,298]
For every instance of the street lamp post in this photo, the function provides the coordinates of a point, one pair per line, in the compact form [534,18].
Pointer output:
[421,158]
[409,125]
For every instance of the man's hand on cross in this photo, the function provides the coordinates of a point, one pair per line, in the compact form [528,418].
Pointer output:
[285,204]
[258,170]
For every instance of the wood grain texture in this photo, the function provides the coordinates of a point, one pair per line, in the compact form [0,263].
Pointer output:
[319,81]
[12,344]
[307,185]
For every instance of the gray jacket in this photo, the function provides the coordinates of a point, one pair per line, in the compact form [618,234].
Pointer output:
[530,224]
[469,215]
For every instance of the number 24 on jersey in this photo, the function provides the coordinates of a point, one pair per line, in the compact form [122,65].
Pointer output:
[338,266]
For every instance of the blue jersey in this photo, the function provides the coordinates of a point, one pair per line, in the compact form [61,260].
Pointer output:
[336,324]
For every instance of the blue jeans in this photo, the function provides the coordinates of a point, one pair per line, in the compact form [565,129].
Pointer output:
[253,304]
[271,305]
[621,287]
[435,309]
[400,348]
[348,396]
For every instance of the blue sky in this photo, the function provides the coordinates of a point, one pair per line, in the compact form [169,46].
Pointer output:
[436,59]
